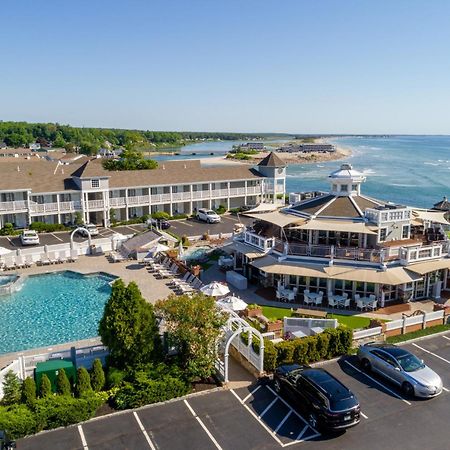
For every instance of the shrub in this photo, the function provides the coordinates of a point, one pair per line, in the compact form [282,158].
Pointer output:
[29,392]
[83,385]
[160,215]
[62,383]
[42,227]
[8,230]
[115,377]
[45,387]
[221,209]
[18,421]
[97,376]
[145,391]
[185,241]
[270,356]
[285,352]
[178,217]
[12,389]
[300,351]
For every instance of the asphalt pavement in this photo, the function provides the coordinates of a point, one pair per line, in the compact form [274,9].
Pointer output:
[189,227]
[257,418]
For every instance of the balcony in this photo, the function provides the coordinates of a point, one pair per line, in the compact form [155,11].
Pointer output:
[328,251]
[95,204]
[18,205]
[138,200]
[117,201]
[409,255]
[262,242]
[43,207]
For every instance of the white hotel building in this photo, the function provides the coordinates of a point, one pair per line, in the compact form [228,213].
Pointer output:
[49,192]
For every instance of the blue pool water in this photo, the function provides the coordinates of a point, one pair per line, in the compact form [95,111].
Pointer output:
[6,279]
[52,309]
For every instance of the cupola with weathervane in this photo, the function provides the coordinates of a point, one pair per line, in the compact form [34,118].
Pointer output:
[346,181]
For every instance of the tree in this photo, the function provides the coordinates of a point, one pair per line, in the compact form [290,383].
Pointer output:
[12,389]
[63,383]
[194,323]
[45,387]
[29,392]
[78,218]
[112,215]
[128,327]
[97,376]
[83,382]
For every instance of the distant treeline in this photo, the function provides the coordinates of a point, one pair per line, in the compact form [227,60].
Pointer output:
[90,140]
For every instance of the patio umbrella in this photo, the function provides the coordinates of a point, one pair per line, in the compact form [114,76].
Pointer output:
[232,302]
[180,251]
[215,289]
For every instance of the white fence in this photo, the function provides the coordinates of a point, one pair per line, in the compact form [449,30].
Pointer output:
[292,324]
[24,366]
[398,324]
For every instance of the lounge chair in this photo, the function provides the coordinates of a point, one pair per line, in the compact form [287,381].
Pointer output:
[29,261]
[62,257]
[52,258]
[44,260]
[73,255]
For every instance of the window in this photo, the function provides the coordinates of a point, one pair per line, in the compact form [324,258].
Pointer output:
[334,187]
[405,232]
[95,183]
[383,234]
[344,188]
[354,187]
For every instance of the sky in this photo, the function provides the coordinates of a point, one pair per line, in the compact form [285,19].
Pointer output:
[317,66]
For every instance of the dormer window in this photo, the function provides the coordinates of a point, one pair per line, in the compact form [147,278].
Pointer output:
[95,184]
[344,188]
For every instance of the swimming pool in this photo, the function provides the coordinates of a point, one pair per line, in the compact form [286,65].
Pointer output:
[197,253]
[6,279]
[52,309]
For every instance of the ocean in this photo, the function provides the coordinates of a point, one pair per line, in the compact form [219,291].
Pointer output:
[409,170]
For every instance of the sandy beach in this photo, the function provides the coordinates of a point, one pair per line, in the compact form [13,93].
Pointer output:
[288,158]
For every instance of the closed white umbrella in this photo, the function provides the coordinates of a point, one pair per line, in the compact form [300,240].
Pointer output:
[232,302]
[215,289]
[180,250]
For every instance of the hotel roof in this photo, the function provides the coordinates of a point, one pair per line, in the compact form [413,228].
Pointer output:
[272,160]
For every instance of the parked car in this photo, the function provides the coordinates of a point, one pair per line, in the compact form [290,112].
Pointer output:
[93,230]
[325,402]
[29,237]
[208,215]
[162,224]
[402,368]
[5,442]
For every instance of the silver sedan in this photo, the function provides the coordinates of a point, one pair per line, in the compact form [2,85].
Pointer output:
[402,368]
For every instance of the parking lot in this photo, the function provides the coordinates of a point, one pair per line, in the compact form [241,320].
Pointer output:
[190,227]
[256,417]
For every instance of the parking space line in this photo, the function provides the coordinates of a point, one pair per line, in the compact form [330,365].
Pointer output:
[431,353]
[11,242]
[290,407]
[446,337]
[268,407]
[282,422]
[445,389]
[203,426]
[362,414]
[257,418]
[252,393]
[56,237]
[83,438]
[380,384]
[232,218]
[144,432]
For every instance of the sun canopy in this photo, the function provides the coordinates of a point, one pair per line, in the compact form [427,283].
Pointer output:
[263,207]
[430,216]
[277,218]
[247,250]
[215,289]
[430,266]
[232,302]
[392,276]
[339,225]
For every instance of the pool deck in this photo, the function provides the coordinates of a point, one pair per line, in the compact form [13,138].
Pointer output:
[152,289]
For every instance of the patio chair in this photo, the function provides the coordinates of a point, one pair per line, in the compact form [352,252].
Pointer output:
[62,257]
[318,300]
[29,261]
[52,258]
[20,263]
[346,303]
[332,303]
[307,300]
[73,255]
[373,305]
[359,304]
[45,261]
[178,280]
[10,264]
[372,297]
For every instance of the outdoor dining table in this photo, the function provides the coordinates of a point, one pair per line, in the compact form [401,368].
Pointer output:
[339,299]
[313,296]
[367,301]
[287,293]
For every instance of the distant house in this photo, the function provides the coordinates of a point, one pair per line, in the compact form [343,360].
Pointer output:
[6,152]
[35,146]
[253,146]
[308,148]
[443,205]
[109,152]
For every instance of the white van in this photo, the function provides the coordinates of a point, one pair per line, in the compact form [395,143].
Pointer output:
[208,215]
[29,237]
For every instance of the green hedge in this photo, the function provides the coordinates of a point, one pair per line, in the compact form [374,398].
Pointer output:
[47,413]
[42,227]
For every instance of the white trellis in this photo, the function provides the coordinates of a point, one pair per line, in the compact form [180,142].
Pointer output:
[232,329]
[82,231]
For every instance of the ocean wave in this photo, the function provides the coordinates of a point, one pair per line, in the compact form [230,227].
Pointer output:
[431,164]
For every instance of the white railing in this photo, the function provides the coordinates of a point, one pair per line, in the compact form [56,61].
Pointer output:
[17,205]
[139,200]
[261,242]
[160,198]
[177,196]
[237,191]
[70,206]
[117,201]
[369,332]
[43,207]
[292,324]
[414,254]
[254,190]
[95,204]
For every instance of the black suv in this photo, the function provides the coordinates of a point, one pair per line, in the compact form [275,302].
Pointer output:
[326,403]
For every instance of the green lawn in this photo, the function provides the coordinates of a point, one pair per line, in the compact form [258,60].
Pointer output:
[417,334]
[352,322]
